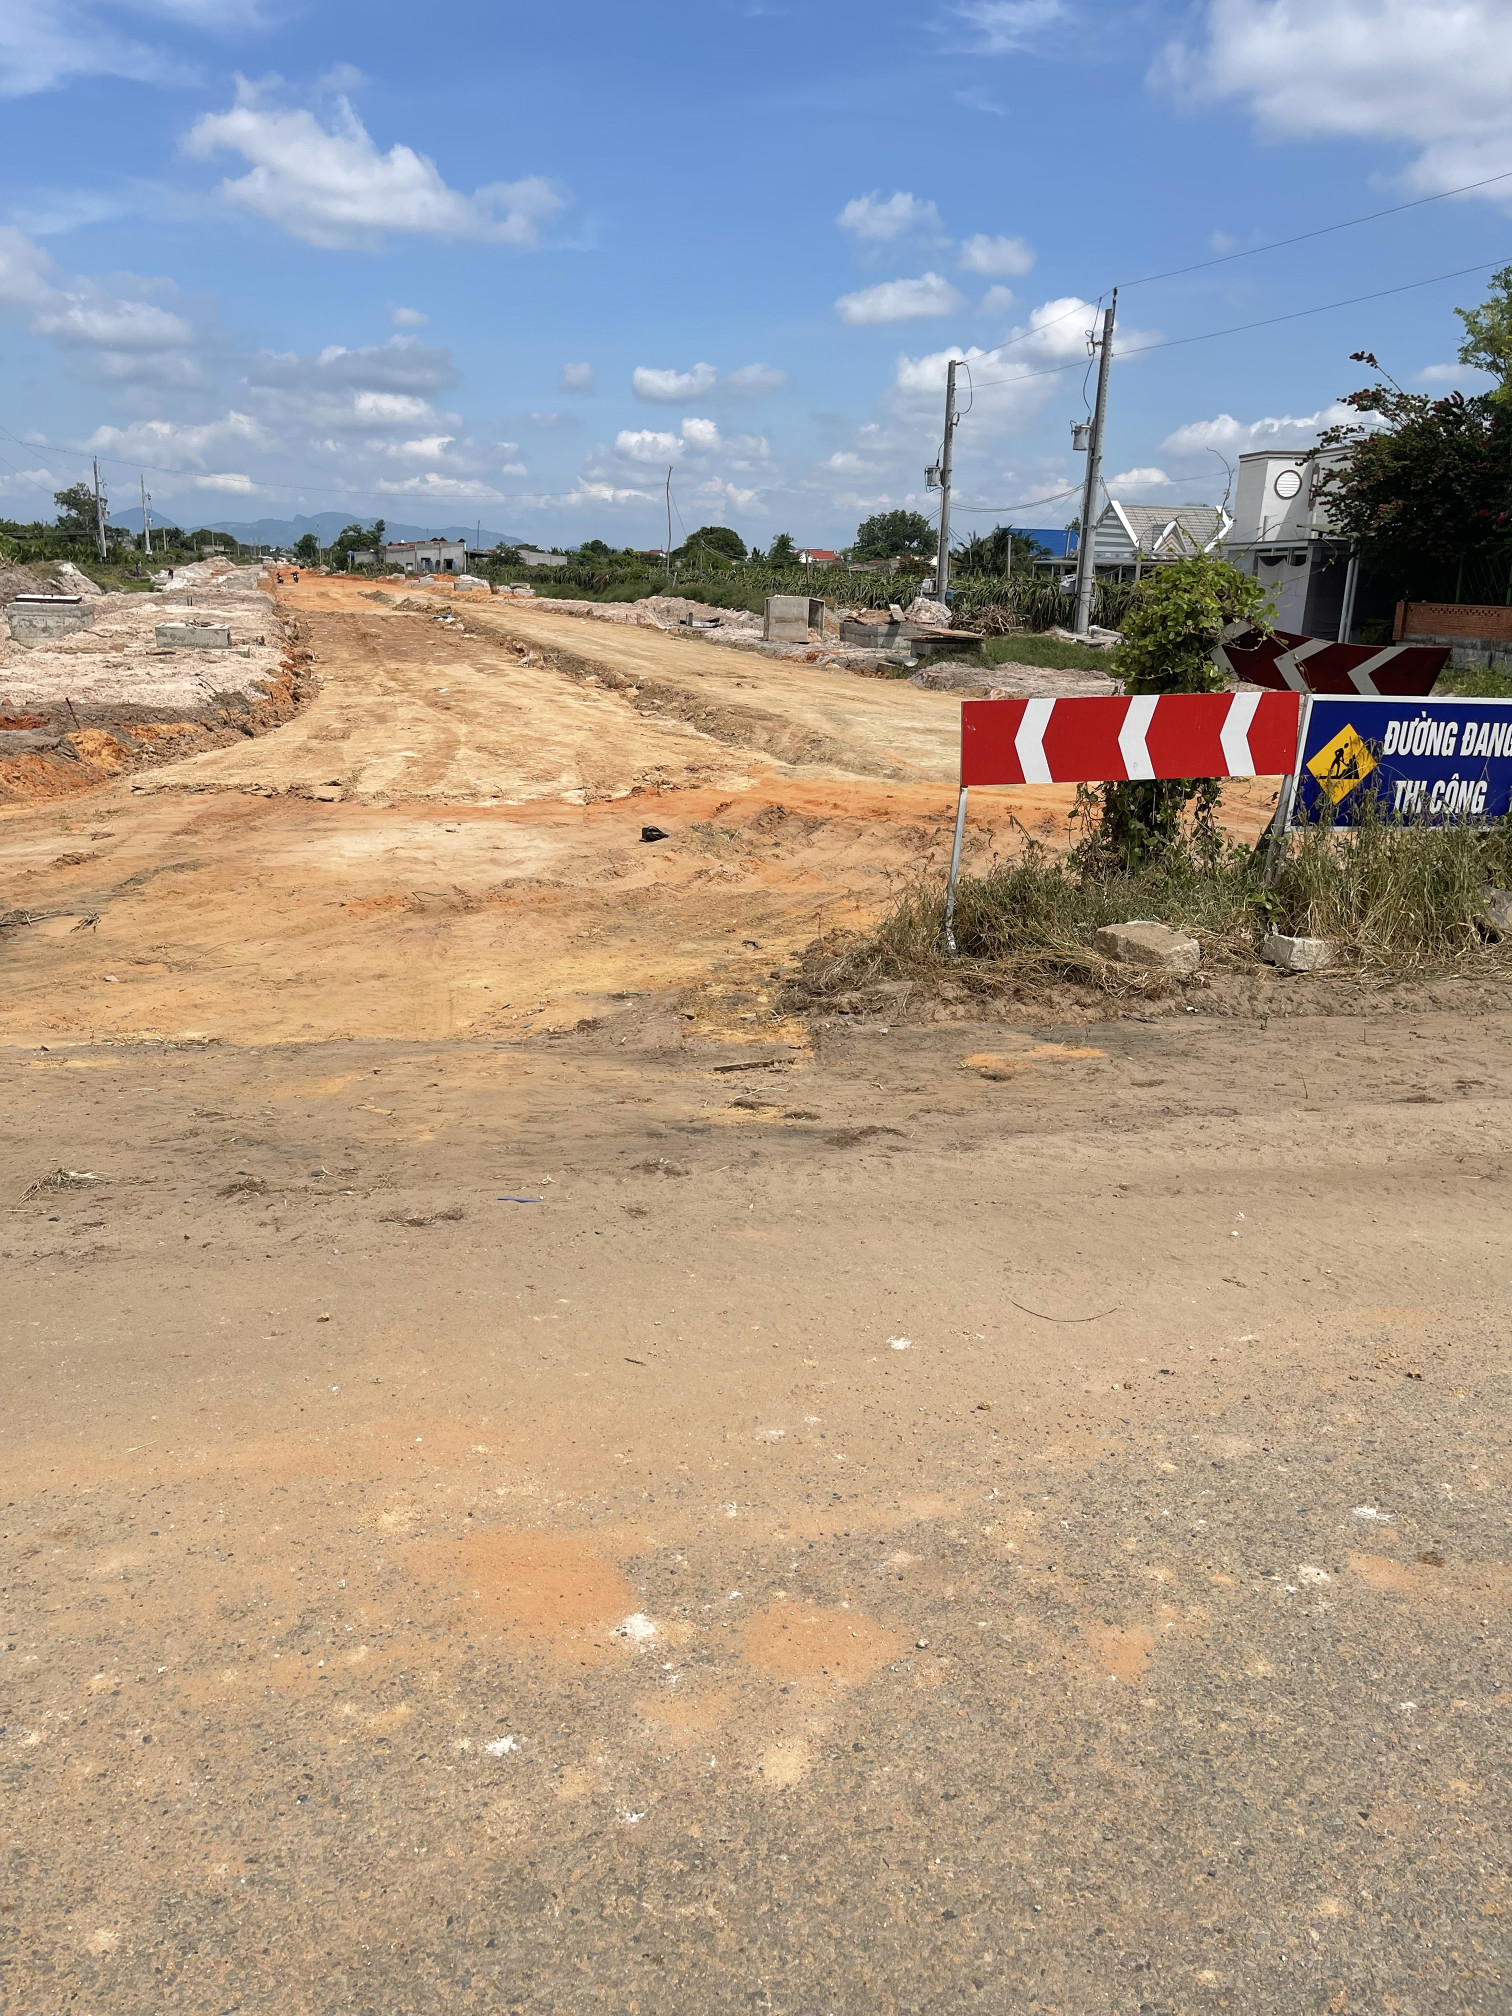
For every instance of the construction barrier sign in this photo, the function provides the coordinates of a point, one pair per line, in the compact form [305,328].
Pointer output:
[1077,741]
[1436,761]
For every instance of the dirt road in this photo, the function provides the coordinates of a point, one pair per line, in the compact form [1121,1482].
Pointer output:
[447,839]
[1007,1515]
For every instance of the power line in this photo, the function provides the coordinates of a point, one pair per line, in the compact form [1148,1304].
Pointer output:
[1033,504]
[1265,322]
[1277,244]
[1322,231]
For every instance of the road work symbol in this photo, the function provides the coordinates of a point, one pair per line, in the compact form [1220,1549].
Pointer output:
[1343,763]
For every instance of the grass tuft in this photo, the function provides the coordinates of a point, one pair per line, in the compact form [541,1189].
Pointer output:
[1391,897]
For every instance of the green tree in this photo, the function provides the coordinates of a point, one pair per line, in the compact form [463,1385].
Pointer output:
[307,549]
[712,542]
[1000,551]
[1488,335]
[1175,618]
[901,533]
[358,538]
[782,552]
[1425,488]
[596,549]
[76,511]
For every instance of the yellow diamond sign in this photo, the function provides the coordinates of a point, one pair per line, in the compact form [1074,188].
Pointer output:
[1341,764]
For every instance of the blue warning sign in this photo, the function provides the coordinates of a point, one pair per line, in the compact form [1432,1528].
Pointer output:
[1435,761]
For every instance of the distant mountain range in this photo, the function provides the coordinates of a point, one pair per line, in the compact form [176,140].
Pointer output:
[325,525]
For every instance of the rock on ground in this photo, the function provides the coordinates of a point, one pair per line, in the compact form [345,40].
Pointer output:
[1142,942]
[1297,955]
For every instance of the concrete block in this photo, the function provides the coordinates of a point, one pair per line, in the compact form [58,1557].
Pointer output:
[33,619]
[194,636]
[1142,942]
[787,619]
[1297,955]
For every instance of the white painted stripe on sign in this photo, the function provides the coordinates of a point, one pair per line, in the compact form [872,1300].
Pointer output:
[1360,677]
[1131,737]
[1030,742]
[1235,736]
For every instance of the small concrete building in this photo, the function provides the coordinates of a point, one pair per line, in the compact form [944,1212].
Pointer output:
[1283,536]
[532,556]
[427,556]
[790,619]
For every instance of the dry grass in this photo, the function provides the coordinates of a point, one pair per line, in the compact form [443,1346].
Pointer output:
[1392,898]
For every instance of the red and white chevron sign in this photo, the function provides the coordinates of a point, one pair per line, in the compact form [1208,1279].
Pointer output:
[1151,735]
[1287,662]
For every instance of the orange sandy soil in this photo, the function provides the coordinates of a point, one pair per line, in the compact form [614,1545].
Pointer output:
[446,839]
[534,1486]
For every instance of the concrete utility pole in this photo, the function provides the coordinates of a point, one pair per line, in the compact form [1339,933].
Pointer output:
[1086,572]
[100,511]
[146,529]
[942,571]
[669,521]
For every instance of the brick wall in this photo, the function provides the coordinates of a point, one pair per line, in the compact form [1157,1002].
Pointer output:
[1488,620]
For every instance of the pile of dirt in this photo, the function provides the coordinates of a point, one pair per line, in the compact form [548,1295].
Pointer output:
[1009,681]
[81,708]
[45,577]
[656,612]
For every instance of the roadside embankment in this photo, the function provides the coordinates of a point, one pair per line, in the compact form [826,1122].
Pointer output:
[117,695]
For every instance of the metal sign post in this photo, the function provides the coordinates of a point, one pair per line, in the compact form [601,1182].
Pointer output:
[1282,821]
[955,874]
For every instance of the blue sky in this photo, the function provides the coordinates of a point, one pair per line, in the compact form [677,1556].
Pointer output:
[511,263]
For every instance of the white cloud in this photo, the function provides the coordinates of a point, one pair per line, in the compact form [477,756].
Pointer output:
[1016,377]
[333,188]
[387,409]
[899,301]
[996,258]
[1434,75]
[427,448]
[877,217]
[996,301]
[111,325]
[1138,479]
[1004,27]
[25,270]
[408,318]
[673,388]
[702,434]
[398,364]
[231,481]
[44,46]
[111,331]
[165,441]
[642,444]
[669,388]
[1224,432]
[1453,374]
[444,489]
[752,381]
[576,378]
